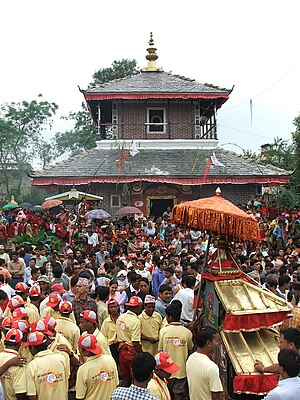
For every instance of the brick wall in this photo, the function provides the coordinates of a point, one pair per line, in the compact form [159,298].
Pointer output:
[234,193]
[179,116]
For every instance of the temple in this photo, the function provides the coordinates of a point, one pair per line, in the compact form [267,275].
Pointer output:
[157,145]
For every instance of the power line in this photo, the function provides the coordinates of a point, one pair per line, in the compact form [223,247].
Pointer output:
[249,133]
[264,90]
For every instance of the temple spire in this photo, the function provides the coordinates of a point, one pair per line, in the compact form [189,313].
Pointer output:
[152,56]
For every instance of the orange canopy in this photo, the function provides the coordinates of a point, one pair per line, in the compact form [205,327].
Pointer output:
[217,215]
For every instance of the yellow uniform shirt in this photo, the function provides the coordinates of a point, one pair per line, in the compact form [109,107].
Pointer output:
[102,342]
[97,378]
[158,388]
[32,312]
[108,329]
[102,312]
[150,326]
[47,376]
[14,379]
[200,368]
[128,328]
[176,340]
[56,314]
[69,330]
[25,352]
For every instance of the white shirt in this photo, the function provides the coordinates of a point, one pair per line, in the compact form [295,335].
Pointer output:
[186,296]
[287,389]
[8,290]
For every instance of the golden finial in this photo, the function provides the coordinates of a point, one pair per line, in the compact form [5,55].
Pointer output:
[218,191]
[152,56]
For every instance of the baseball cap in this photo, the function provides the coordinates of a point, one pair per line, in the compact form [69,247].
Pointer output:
[34,291]
[149,299]
[14,336]
[122,272]
[6,323]
[123,233]
[21,287]
[14,303]
[89,315]
[35,338]
[65,307]
[50,321]
[54,300]
[164,361]
[89,342]
[43,278]
[57,287]
[40,326]
[134,301]
[19,313]
[22,325]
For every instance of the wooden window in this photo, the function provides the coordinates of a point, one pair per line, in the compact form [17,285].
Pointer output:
[115,201]
[156,120]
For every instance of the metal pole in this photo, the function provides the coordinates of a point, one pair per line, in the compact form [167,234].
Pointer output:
[203,270]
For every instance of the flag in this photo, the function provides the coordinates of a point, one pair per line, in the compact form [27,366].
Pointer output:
[133,150]
[206,170]
[215,161]
[122,158]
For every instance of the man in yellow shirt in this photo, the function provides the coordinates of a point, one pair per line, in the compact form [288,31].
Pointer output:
[202,373]
[151,322]
[47,374]
[67,327]
[14,378]
[165,367]
[109,328]
[129,335]
[22,292]
[177,341]
[89,324]
[97,378]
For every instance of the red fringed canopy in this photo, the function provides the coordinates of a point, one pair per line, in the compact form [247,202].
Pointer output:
[253,322]
[219,216]
[255,384]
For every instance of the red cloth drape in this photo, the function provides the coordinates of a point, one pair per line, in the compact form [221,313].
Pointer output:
[255,384]
[252,322]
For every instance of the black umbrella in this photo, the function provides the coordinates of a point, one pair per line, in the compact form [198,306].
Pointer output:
[38,209]
[26,205]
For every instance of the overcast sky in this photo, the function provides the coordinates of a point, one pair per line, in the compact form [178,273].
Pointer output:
[50,47]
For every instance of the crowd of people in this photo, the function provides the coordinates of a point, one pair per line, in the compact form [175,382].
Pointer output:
[110,313]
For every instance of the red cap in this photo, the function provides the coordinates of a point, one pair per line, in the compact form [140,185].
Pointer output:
[35,339]
[14,336]
[134,301]
[132,255]
[21,287]
[112,301]
[22,325]
[164,361]
[123,233]
[89,315]
[89,342]
[6,323]
[54,300]
[34,291]
[19,313]
[171,247]
[57,287]
[65,307]
[40,326]
[14,303]
[50,321]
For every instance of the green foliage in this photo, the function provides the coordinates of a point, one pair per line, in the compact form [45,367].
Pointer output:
[250,154]
[21,126]
[118,69]
[35,196]
[81,137]
[286,196]
[281,154]
[40,239]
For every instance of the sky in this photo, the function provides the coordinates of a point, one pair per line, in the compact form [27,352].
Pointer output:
[51,47]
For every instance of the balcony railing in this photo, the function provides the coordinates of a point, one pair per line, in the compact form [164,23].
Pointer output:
[109,131]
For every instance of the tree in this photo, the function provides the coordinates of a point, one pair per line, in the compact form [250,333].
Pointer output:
[280,153]
[21,127]
[83,136]
[118,69]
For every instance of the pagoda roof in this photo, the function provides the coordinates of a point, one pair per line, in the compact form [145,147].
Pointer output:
[156,84]
[179,166]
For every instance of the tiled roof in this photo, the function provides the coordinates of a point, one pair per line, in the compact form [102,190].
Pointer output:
[172,163]
[156,82]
